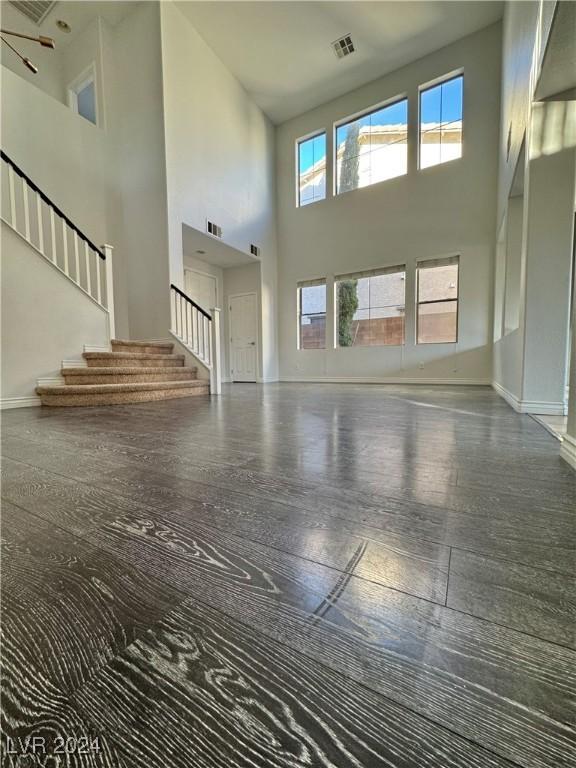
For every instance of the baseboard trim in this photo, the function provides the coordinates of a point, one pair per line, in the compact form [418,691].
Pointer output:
[538,407]
[380,380]
[568,450]
[25,401]
[96,348]
[75,363]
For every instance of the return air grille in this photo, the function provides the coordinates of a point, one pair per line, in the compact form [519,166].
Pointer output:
[254,250]
[36,11]
[213,229]
[343,47]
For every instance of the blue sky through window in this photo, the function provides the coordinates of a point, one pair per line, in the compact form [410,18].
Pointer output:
[394,114]
[442,103]
[311,151]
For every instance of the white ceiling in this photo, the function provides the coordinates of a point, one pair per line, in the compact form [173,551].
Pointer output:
[281,52]
[79,13]
[201,246]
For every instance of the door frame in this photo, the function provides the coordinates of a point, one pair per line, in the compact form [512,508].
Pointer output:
[204,274]
[228,300]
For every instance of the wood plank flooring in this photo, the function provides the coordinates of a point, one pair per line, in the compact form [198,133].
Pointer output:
[289,575]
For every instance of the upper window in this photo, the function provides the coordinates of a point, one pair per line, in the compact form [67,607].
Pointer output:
[312,169]
[370,307]
[372,148]
[441,122]
[437,317]
[82,95]
[312,314]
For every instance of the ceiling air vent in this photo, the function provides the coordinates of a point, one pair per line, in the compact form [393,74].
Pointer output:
[254,250]
[213,229]
[35,10]
[343,47]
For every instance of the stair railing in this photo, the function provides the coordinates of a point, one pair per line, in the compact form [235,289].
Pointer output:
[198,331]
[39,221]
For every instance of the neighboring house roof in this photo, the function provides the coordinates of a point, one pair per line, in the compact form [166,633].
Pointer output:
[387,134]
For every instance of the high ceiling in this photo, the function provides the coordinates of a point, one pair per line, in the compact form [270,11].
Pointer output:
[281,52]
[78,13]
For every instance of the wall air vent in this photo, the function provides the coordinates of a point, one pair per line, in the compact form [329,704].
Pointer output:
[343,47]
[254,250]
[213,229]
[35,10]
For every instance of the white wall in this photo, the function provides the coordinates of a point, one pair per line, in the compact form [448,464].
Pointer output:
[549,238]
[441,210]
[219,158]
[85,50]
[46,318]
[62,153]
[530,359]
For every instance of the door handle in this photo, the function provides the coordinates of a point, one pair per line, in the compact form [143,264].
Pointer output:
[252,343]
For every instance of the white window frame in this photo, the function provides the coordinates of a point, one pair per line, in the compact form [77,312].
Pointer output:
[301,140]
[426,87]
[456,258]
[355,116]
[79,83]
[309,284]
[358,275]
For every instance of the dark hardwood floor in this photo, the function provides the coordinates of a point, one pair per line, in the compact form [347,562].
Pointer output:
[295,575]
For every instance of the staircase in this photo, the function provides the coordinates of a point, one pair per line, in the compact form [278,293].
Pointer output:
[133,372]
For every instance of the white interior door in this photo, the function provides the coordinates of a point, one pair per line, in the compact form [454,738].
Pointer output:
[201,288]
[243,337]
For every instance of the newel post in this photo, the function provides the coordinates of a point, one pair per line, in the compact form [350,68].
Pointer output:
[107,251]
[216,371]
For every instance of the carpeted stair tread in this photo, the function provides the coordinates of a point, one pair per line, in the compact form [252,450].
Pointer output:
[122,375]
[154,347]
[129,356]
[129,343]
[133,372]
[94,370]
[128,359]
[84,389]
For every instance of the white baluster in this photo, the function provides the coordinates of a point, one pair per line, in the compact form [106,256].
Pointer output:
[188,324]
[52,236]
[88,275]
[98,278]
[12,193]
[200,335]
[40,227]
[76,257]
[107,251]
[194,329]
[26,210]
[65,244]
[216,367]
[206,339]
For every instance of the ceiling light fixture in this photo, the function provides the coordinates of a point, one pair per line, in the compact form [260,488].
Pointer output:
[63,25]
[45,42]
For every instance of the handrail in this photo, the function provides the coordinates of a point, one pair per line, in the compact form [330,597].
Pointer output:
[190,301]
[49,202]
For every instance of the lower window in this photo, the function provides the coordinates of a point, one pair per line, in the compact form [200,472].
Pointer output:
[370,307]
[312,314]
[437,316]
